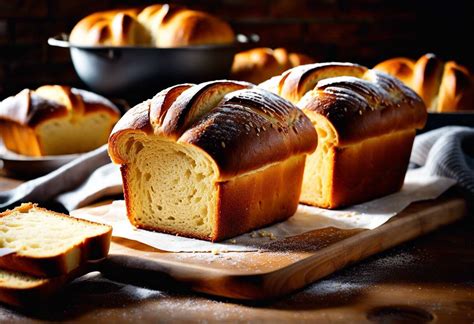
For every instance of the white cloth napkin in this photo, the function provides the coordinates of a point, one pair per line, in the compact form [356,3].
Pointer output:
[67,178]
[448,152]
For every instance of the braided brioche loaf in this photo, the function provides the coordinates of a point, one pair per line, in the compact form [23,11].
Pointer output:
[55,119]
[366,124]
[259,64]
[213,160]
[158,25]
[442,86]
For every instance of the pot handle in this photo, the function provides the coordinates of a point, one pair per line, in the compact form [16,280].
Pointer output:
[60,40]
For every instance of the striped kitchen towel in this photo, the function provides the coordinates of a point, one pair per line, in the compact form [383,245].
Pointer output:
[448,152]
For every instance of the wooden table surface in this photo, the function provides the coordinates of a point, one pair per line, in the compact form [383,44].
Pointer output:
[430,279]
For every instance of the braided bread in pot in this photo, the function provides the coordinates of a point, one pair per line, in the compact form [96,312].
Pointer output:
[366,122]
[259,64]
[54,119]
[444,87]
[212,160]
[160,25]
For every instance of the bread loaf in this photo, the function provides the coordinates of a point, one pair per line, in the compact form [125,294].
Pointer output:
[443,86]
[47,244]
[259,64]
[366,123]
[160,25]
[56,120]
[213,160]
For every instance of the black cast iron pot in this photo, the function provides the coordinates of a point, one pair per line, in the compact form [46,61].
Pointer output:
[143,71]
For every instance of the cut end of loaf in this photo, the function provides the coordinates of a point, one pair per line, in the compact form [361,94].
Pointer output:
[169,187]
[82,135]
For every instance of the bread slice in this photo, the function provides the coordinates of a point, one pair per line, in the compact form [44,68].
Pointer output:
[47,243]
[19,289]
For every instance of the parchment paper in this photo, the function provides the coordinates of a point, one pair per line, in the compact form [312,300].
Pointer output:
[418,186]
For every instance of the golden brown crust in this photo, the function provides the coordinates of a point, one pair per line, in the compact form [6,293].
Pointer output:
[33,295]
[112,27]
[40,291]
[21,115]
[91,248]
[228,133]
[30,108]
[227,130]
[259,199]
[298,59]
[400,67]
[161,103]
[358,102]
[156,25]
[427,76]
[186,108]
[456,92]
[443,87]
[259,64]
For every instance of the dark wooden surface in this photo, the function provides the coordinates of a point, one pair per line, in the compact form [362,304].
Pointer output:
[430,279]
[283,266]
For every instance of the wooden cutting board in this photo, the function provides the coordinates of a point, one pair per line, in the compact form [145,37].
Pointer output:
[285,266]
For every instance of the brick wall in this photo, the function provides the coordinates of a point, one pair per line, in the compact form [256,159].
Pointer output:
[363,31]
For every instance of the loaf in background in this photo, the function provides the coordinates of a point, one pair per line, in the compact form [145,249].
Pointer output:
[444,87]
[54,119]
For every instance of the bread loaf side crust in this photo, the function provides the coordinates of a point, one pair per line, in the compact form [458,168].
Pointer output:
[91,248]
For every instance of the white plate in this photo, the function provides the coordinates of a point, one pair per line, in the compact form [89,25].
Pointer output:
[25,166]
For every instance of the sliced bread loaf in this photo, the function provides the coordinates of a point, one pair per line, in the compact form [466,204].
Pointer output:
[46,243]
